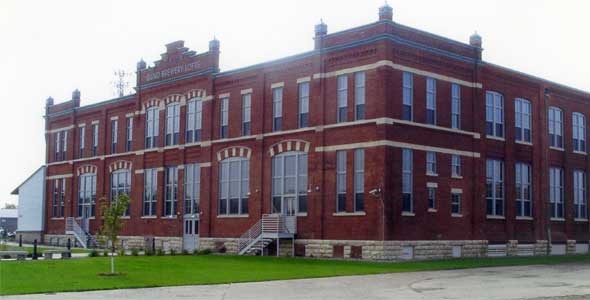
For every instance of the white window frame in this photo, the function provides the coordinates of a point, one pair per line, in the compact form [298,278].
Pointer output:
[246,114]
[431,197]
[172,124]
[580,196]
[341,187]
[86,193]
[342,99]
[555,123]
[224,117]
[579,132]
[303,117]
[241,182]
[129,133]
[277,109]
[408,95]
[523,120]
[359,180]
[495,181]
[298,179]
[121,184]
[170,191]
[114,135]
[359,96]
[431,99]
[456,203]
[194,120]
[152,127]
[82,132]
[523,177]
[495,114]
[456,170]
[150,192]
[192,188]
[556,193]
[407,179]
[455,106]
[431,163]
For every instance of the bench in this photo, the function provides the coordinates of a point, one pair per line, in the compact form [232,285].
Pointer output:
[65,254]
[20,255]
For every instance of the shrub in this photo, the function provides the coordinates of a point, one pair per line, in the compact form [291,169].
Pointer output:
[159,252]
[203,252]
[134,251]
[121,252]
[93,253]
[184,252]
[105,253]
[172,252]
[149,252]
[5,256]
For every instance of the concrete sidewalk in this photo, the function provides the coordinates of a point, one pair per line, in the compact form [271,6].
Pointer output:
[567,281]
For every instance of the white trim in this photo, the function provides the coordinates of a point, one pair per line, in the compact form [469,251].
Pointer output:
[523,143]
[457,215]
[493,217]
[524,218]
[431,174]
[349,214]
[456,177]
[432,185]
[407,214]
[580,220]
[95,122]
[456,191]
[432,210]
[224,95]
[558,219]
[396,145]
[491,137]
[277,85]
[246,91]
[82,125]
[435,127]
[556,148]
[580,152]
[232,216]
[303,79]
[60,129]
[60,176]
[395,66]
[129,115]
[114,118]
[148,217]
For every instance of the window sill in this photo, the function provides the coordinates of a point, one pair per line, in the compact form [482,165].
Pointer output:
[301,214]
[523,143]
[125,217]
[491,137]
[558,219]
[456,177]
[524,218]
[556,148]
[432,174]
[580,220]
[408,214]
[492,217]
[149,217]
[457,215]
[57,218]
[232,216]
[432,210]
[580,152]
[349,214]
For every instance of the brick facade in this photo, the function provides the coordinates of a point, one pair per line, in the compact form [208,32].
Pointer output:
[383,51]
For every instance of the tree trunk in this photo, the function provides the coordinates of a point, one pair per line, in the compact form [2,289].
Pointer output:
[113,258]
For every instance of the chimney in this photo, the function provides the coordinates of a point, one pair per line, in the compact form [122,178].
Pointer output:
[141,65]
[49,102]
[321,30]
[76,95]
[475,40]
[214,44]
[385,13]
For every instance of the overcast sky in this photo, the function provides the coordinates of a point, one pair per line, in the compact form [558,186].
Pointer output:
[50,48]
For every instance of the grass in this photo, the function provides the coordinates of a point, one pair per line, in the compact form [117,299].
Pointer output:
[152,271]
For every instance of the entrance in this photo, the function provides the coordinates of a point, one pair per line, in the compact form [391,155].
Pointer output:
[289,205]
[190,239]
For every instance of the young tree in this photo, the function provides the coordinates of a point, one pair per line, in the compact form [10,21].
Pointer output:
[111,222]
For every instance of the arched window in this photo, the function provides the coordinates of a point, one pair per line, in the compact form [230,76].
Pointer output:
[289,183]
[194,120]
[151,127]
[172,123]
[121,184]
[579,132]
[86,195]
[234,182]
[555,127]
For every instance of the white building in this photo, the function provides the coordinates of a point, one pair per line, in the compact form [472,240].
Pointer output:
[31,207]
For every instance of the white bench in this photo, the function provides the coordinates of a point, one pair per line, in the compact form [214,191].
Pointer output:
[20,255]
[65,254]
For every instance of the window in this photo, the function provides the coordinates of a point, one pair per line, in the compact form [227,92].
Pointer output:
[455,106]
[431,191]
[555,127]
[522,120]
[82,141]
[152,127]
[58,199]
[170,191]
[289,183]
[64,144]
[523,190]
[407,181]
[56,143]
[86,195]
[277,109]
[121,184]
[150,192]
[129,135]
[495,187]
[340,181]
[359,180]
[303,104]
[580,194]
[246,112]
[359,96]
[494,114]
[192,188]
[224,117]
[194,120]
[431,163]
[455,203]
[431,101]
[556,192]
[456,165]
[94,139]
[342,98]
[408,96]
[172,123]
[114,135]
[579,132]
[234,186]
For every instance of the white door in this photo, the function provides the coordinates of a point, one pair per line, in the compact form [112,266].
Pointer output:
[191,234]
[289,205]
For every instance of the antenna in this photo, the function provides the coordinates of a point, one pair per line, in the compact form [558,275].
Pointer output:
[121,83]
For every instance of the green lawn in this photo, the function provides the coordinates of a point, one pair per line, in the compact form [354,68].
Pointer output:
[150,271]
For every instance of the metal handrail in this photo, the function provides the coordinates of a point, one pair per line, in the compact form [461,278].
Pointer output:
[269,223]
[73,227]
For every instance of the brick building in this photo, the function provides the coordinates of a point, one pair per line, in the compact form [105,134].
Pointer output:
[383,142]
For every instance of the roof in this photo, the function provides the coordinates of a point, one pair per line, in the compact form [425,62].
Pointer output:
[41,168]
[9,213]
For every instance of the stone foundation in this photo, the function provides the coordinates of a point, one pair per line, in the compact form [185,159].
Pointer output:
[29,236]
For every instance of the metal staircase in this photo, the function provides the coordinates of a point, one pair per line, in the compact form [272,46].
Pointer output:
[271,227]
[83,236]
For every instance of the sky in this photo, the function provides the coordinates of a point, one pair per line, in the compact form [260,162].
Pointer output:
[50,48]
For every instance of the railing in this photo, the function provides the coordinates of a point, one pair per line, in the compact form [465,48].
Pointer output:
[72,227]
[269,224]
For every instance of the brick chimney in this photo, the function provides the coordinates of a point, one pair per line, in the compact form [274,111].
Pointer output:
[321,30]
